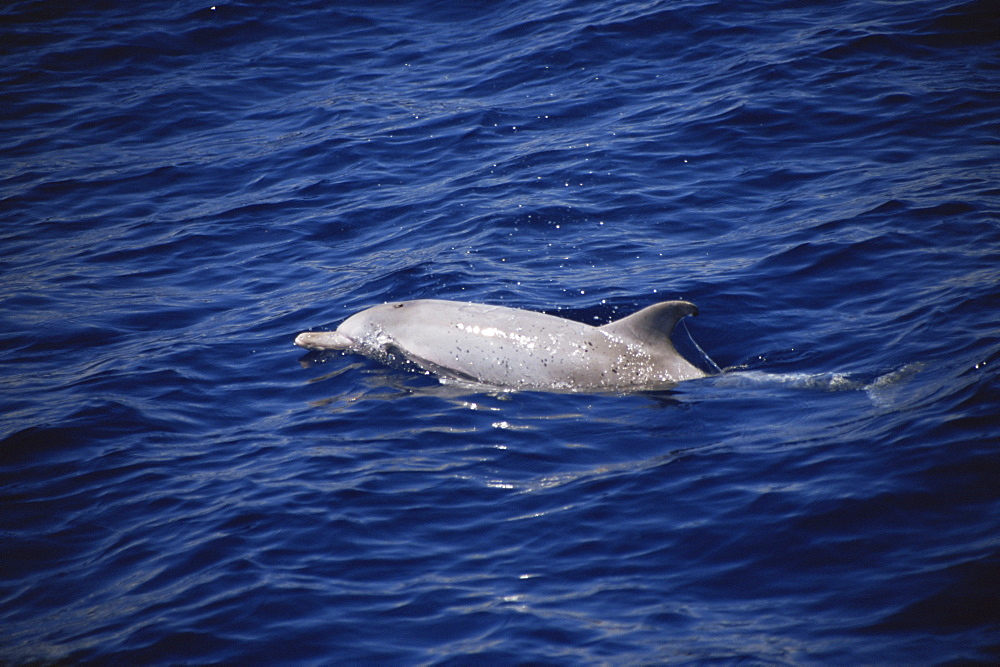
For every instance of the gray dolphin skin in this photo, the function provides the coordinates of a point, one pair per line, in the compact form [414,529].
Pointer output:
[518,349]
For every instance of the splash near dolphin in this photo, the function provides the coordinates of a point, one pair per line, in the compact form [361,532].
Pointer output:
[518,349]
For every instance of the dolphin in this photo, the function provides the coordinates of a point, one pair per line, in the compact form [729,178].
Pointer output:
[518,349]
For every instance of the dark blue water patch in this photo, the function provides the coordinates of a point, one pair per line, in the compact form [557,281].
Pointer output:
[33,444]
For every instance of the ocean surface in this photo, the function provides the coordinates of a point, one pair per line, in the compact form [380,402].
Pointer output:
[185,187]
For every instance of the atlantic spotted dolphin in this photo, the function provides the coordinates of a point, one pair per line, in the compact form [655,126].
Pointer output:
[518,349]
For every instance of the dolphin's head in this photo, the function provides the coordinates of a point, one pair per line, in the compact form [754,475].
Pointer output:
[359,332]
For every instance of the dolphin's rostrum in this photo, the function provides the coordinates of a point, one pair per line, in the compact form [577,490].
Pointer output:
[518,349]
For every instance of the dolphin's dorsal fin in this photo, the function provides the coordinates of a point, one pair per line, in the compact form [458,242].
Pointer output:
[652,325]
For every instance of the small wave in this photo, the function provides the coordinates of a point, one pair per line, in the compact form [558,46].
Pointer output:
[830,381]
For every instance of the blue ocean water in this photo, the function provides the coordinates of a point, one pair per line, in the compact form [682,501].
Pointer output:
[185,187]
